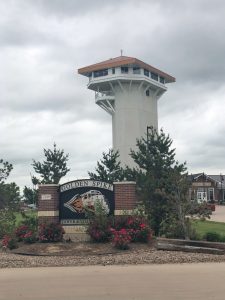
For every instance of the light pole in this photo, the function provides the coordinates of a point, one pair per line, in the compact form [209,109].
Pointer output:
[221,189]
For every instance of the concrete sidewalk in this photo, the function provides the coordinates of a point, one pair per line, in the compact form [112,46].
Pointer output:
[142,282]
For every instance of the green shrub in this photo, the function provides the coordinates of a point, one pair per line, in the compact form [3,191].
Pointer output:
[214,237]
[174,229]
[31,221]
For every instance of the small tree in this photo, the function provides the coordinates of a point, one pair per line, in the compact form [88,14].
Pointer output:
[109,168]
[30,195]
[53,168]
[5,169]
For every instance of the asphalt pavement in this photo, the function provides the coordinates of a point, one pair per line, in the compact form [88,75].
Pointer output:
[157,282]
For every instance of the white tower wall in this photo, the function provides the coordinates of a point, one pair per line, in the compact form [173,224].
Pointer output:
[134,111]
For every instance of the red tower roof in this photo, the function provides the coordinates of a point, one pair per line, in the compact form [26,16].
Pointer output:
[121,61]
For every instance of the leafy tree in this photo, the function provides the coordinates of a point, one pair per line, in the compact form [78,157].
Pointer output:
[5,169]
[53,168]
[10,196]
[9,192]
[109,168]
[30,195]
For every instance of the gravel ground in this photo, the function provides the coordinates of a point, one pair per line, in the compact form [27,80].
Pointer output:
[150,256]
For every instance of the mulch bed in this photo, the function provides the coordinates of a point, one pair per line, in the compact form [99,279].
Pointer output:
[74,249]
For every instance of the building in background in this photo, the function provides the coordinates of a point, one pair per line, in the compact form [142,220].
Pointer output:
[210,188]
[128,89]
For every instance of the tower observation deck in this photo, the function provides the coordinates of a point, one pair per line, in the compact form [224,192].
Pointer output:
[128,89]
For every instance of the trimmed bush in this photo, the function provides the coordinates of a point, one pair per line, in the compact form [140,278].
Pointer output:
[137,227]
[214,237]
[21,231]
[50,232]
[121,239]
[99,231]
[25,234]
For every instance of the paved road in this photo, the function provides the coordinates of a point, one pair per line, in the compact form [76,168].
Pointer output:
[187,281]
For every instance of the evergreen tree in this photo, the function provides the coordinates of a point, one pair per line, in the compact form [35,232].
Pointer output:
[109,168]
[53,168]
[155,163]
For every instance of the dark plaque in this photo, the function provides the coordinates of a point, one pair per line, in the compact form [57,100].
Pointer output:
[80,195]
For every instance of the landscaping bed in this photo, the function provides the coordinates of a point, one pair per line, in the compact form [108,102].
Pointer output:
[86,253]
[82,249]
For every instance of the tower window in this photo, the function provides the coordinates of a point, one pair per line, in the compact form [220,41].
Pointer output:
[162,79]
[101,73]
[155,76]
[146,72]
[136,70]
[147,93]
[113,70]
[124,70]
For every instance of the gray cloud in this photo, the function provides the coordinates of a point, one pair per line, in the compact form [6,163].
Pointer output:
[43,99]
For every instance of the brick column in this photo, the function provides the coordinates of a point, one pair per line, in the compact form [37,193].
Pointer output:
[125,197]
[48,203]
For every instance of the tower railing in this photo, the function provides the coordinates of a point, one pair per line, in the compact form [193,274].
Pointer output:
[105,99]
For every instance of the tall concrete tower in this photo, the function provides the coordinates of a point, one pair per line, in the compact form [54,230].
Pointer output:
[128,89]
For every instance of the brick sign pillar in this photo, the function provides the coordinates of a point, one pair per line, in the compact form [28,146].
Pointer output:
[48,203]
[125,197]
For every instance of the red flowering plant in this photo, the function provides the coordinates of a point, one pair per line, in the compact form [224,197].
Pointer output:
[99,231]
[21,231]
[29,237]
[121,238]
[50,232]
[137,228]
[9,242]
[25,234]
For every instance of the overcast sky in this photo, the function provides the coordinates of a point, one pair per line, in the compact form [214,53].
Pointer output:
[43,100]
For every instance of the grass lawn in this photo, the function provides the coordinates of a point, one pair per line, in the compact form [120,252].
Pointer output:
[19,216]
[202,227]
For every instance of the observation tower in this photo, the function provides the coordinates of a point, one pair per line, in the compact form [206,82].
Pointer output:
[128,89]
